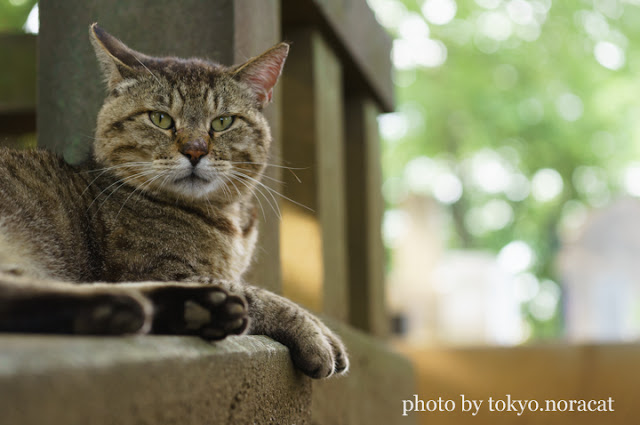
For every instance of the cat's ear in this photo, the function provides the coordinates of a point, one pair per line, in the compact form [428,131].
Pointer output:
[262,72]
[117,61]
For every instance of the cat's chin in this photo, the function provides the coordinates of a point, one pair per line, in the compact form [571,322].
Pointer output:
[194,187]
[192,179]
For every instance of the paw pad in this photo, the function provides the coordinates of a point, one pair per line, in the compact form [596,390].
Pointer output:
[208,311]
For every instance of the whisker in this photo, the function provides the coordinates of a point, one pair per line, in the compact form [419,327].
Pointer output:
[148,182]
[272,179]
[271,190]
[225,190]
[122,182]
[104,170]
[266,164]
[291,169]
[145,67]
[258,189]
[275,210]
[264,215]
[295,175]
[166,173]
[164,181]
[270,165]
[117,166]
[93,137]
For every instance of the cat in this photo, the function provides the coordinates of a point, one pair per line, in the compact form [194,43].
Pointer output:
[155,234]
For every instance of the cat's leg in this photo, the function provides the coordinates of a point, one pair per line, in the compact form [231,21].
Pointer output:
[40,306]
[314,348]
[29,305]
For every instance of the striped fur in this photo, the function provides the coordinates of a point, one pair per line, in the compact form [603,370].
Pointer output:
[161,225]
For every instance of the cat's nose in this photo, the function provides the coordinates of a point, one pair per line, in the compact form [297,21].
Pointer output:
[194,150]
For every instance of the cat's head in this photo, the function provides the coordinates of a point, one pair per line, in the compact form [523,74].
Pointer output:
[188,128]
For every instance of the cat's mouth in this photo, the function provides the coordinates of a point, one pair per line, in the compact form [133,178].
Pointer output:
[191,178]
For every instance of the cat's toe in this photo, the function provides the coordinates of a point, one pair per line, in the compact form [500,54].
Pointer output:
[316,365]
[237,327]
[319,353]
[111,315]
[229,316]
[341,359]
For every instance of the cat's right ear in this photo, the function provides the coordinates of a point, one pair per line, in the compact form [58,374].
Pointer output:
[262,72]
[117,61]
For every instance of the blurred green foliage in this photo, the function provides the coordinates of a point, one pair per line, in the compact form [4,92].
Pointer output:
[14,13]
[17,83]
[534,84]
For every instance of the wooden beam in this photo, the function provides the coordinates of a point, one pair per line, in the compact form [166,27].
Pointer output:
[313,230]
[362,45]
[364,207]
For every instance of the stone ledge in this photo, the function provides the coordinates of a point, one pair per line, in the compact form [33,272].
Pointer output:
[62,380]
[372,393]
[149,380]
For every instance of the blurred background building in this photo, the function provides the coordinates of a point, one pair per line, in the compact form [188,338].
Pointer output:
[512,170]
[601,275]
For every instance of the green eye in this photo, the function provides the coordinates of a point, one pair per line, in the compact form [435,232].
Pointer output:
[222,123]
[162,120]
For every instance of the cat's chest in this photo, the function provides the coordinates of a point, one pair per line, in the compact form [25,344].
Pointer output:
[169,243]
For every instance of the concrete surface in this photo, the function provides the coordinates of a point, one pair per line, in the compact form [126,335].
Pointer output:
[149,380]
[65,380]
[372,393]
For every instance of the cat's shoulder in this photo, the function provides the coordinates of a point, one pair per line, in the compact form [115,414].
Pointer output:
[32,155]
[37,163]
[26,154]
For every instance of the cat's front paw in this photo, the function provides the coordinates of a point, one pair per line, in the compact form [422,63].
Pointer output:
[207,311]
[315,349]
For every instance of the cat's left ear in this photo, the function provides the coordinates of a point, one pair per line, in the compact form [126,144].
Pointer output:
[262,72]
[117,61]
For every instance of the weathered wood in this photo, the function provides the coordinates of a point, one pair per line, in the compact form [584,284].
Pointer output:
[257,27]
[360,42]
[70,86]
[17,83]
[16,123]
[18,90]
[313,241]
[367,308]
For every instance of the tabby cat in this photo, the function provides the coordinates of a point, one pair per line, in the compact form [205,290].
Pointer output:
[161,226]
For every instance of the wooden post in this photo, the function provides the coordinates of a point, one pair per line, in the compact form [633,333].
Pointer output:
[313,242]
[367,309]
[70,90]
[257,27]
[17,84]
